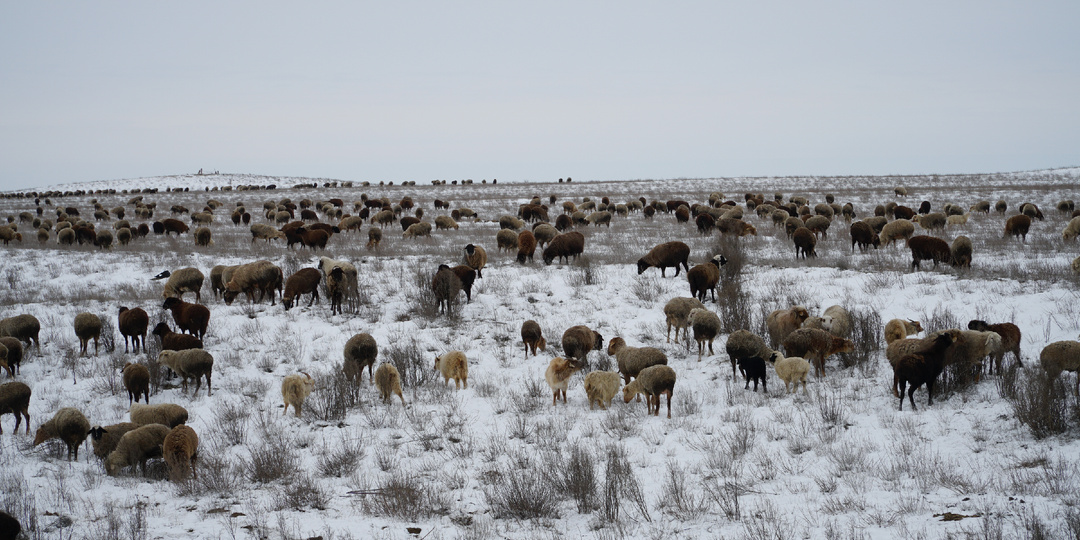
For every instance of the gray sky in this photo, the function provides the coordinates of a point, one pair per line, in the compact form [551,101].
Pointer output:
[534,90]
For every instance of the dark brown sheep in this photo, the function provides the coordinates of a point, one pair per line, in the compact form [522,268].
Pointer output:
[804,242]
[1018,225]
[467,276]
[526,246]
[578,340]
[190,318]
[533,337]
[408,220]
[446,286]
[704,277]
[565,246]
[863,234]
[174,226]
[563,222]
[173,341]
[312,238]
[815,345]
[922,368]
[133,323]
[682,214]
[928,248]
[705,223]
[664,256]
[903,212]
[137,382]
[303,281]
[14,354]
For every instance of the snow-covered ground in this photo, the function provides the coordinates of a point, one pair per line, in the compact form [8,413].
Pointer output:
[497,459]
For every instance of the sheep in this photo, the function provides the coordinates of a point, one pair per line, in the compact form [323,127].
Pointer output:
[898,329]
[653,381]
[791,370]
[631,360]
[1061,356]
[932,221]
[136,447]
[533,337]
[895,230]
[104,239]
[262,231]
[1018,225]
[173,341]
[262,276]
[526,246]
[1010,339]
[544,233]
[190,363]
[190,318]
[704,277]
[169,414]
[132,324]
[957,220]
[665,255]
[970,347]
[70,425]
[104,439]
[508,222]
[578,340]
[7,234]
[837,321]
[1072,230]
[706,326]
[453,365]
[601,387]
[203,237]
[294,390]
[878,224]
[804,243]
[10,529]
[743,344]
[25,327]
[753,368]
[903,212]
[303,281]
[15,399]
[506,240]
[341,281]
[219,276]
[1076,266]
[819,224]
[14,354]
[361,350]
[388,381]
[180,450]
[475,258]
[417,230]
[921,368]
[734,226]
[816,345]
[558,375]
[677,313]
[782,322]
[564,246]
[374,238]
[136,381]
[87,325]
[446,285]
[182,281]
[445,222]
[960,252]
[928,248]
[408,221]
[1032,211]
[705,223]
[863,234]
[310,237]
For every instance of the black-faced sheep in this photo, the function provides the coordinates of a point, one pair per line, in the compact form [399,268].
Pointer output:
[303,281]
[653,382]
[361,350]
[782,322]
[677,314]
[1010,339]
[69,425]
[704,278]
[526,246]
[475,258]
[173,341]
[133,324]
[922,368]
[533,337]
[191,318]
[136,380]
[295,389]
[558,375]
[87,326]
[24,327]
[753,368]
[863,235]
[706,326]
[136,447]
[169,414]
[182,281]
[259,276]
[180,449]
[388,381]
[190,363]
[601,387]
[928,248]
[578,340]
[663,256]
[895,230]
[791,369]
[104,439]
[631,360]
[15,399]
[815,345]
[453,365]
[1018,225]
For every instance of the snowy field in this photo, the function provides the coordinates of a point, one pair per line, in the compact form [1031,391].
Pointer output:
[497,460]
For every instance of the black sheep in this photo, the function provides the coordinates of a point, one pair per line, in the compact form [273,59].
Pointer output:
[754,368]
[922,368]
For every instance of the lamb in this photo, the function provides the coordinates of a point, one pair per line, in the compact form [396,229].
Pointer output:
[1010,339]
[87,325]
[1061,356]
[526,246]
[1018,225]
[175,342]
[837,321]
[558,375]
[706,326]
[136,447]
[14,354]
[863,234]
[677,312]
[565,246]
[15,399]
[506,240]
[601,387]
[1072,230]
[388,381]
[791,370]
[533,337]
[665,255]
[453,365]
[782,322]
[922,368]
[104,439]
[137,381]
[653,382]
[340,284]
[475,258]
[578,340]
[804,243]
[303,281]
[25,327]
[190,363]
[133,323]
[262,276]
[68,424]
[631,360]
[180,450]
[816,345]
[928,248]
[361,350]
[190,318]
[754,368]
[895,230]
[704,277]
[169,414]
[417,230]
[446,285]
[899,329]
[182,281]
[294,390]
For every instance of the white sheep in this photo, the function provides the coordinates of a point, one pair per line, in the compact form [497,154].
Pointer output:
[135,447]
[169,414]
[601,387]
[388,381]
[558,375]
[1061,356]
[837,321]
[294,390]
[677,313]
[791,370]
[453,365]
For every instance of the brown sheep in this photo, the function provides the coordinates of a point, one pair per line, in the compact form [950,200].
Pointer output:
[736,227]
[87,326]
[897,329]
[558,375]
[303,281]
[174,226]
[190,318]
[506,239]
[467,276]
[182,281]
[475,258]
[361,350]
[653,381]
[388,381]
[804,243]
[863,234]
[533,337]
[312,238]
[526,246]
[446,285]
[922,368]
[664,256]
[815,346]
[928,248]
[14,355]
[782,322]
[960,252]
[705,223]
[15,399]
[68,424]
[175,342]
[180,451]
[1018,225]
[578,340]
[133,324]
[262,276]
[137,382]
[704,277]
[564,246]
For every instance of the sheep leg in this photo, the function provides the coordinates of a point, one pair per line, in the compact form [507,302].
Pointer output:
[554,397]
[668,392]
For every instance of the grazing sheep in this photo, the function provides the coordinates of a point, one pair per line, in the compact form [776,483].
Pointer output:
[565,246]
[737,227]
[475,258]
[837,321]
[219,276]
[578,340]
[182,281]
[895,230]
[1018,225]
[533,337]
[417,230]
[262,231]
[136,447]
[133,324]
[970,347]
[960,252]
[704,277]
[341,282]
[175,342]
[407,221]
[928,248]
[311,237]
[361,350]
[664,256]
[601,387]
[653,382]
[7,234]
[932,221]
[87,325]
[180,450]
[453,365]
[1076,266]
[190,363]
[899,329]
[753,368]
[104,439]
[558,375]
[1061,356]
[804,243]
[782,322]
[294,390]
[169,414]
[544,233]
[303,281]
[863,234]
[631,360]
[191,318]
[15,399]
[445,222]
[1072,230]
[791,370]
[68,424]
[706,326]
[921,368]
[677,313]
[1032,211]
[819,224]
[1010,339]
[446,285]
[24,327]
[903,212]
[526,246]
[262,276]
[388,381]
[506,240]
[878,224]
[203,237]
[960,219]
[14,354]
[816,345]
[137,381]
[374,238]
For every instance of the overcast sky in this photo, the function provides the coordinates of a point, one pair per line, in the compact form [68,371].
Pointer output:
[534,90]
